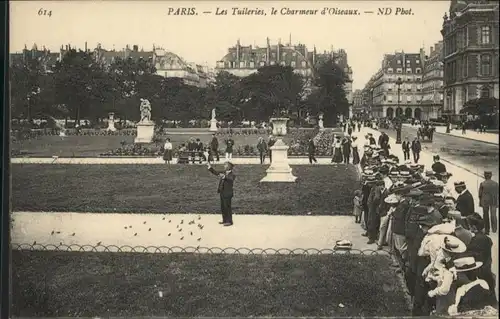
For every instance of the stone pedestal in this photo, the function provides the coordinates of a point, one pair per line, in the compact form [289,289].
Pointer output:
[279,170]
[111,122]
[213,125]
[145,132]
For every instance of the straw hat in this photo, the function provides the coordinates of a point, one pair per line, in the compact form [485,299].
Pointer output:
[465,264]
[437,182]
[453,245]
[392,199]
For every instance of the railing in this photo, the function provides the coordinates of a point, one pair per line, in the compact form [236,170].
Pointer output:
[192,249]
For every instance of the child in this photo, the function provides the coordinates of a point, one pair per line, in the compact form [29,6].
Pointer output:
[357,206]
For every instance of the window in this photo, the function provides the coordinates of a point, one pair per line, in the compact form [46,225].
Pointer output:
[389,98]
[408,70]
[485,65]
[485,92]
[284,55]
[466,36]
[408,99]
[408,61]
[418,70]
[294,54]
[408,88]
[242,64]
[441,96]
[419,88]
[385,98]
[273,55]
[283,63]
[390,70]
[252,64]
[399,70]
[303,64]
[262,63]
[486,35]
[273,62]
[417,61]
[293,64]
[419,79]
[465,66]
[399,61]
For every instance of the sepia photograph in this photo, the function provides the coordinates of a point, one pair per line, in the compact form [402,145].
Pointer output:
[254,158]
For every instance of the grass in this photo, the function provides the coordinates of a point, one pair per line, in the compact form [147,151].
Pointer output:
[322,190]
[72,284]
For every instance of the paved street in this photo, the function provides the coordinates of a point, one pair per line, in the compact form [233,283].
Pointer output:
[472,135]
[470,154]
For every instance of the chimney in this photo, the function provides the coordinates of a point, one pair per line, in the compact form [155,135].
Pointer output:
[268,51]
[238,51]
[86,50]
[135,48]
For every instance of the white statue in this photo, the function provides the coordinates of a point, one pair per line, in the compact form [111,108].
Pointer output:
[145,109]
[213,114]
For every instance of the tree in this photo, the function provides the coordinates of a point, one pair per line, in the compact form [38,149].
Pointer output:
[330,80]
[75,84]
[25,78]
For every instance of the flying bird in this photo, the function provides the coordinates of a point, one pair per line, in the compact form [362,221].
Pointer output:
[149,229]
[73,234]
[182,237]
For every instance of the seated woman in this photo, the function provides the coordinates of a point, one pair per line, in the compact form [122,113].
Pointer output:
[471,293]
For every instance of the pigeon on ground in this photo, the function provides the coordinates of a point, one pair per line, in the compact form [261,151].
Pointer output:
[125,227]
[135,234]
[199,217]
[34,243]
[98,244]
[58,232]
[169,221]
[163,218]
[169,234]
[60,243]
[177,226]
[182,221]
[52,233]
[144,223]
[191,233]
[180,229]
[199,239]
[182,237]
[129,226]
[73,234]
[149,229]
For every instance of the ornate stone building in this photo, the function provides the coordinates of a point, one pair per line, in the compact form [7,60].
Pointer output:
[382,88]
[243,60]
[470,36]
[357,102]
[432,83]
[167,64]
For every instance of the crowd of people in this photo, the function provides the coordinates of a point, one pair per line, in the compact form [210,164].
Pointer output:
[439,242]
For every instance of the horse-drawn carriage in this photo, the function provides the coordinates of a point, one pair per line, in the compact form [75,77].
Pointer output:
[425,133]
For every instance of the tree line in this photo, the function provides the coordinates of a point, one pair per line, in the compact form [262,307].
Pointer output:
[81,88]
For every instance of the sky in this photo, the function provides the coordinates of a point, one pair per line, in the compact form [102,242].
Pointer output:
[204,38]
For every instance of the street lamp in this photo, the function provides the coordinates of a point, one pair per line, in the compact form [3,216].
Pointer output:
[398,122]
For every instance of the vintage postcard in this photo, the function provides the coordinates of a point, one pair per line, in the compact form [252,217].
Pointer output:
[254,158]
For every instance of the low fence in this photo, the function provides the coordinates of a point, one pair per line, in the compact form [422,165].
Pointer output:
[191,249]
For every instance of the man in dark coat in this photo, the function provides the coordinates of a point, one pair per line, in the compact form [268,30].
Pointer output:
[346,149]
[225,190]
[262,148]
[192,148]
[200,148]
[214,147]
[488,200]
[416,148]
[311,150]
[406,148]
[371,139]
[437,166]
[270,143]
[465,201]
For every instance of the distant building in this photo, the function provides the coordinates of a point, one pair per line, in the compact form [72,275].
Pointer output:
[243,60]
[357,102]
[382,90]
[167,64]
[470,37]
[432,83]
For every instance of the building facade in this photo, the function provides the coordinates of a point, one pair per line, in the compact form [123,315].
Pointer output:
[432,83]
[357,102]
[243,60]
[167,64]
[470,37]
[387,98]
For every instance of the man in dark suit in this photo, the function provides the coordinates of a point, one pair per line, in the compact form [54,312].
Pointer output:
[225,190]
[406,149]
[311,150]
[371,139]
[438,167]
[214,147]
[200,148]
[465,201]
[416,148]
[488,200]
[270,143]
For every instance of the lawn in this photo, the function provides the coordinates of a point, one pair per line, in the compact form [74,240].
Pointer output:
[322,190]
[72,284]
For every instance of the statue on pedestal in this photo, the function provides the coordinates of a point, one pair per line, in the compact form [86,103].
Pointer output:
[213,114]
[145,109]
